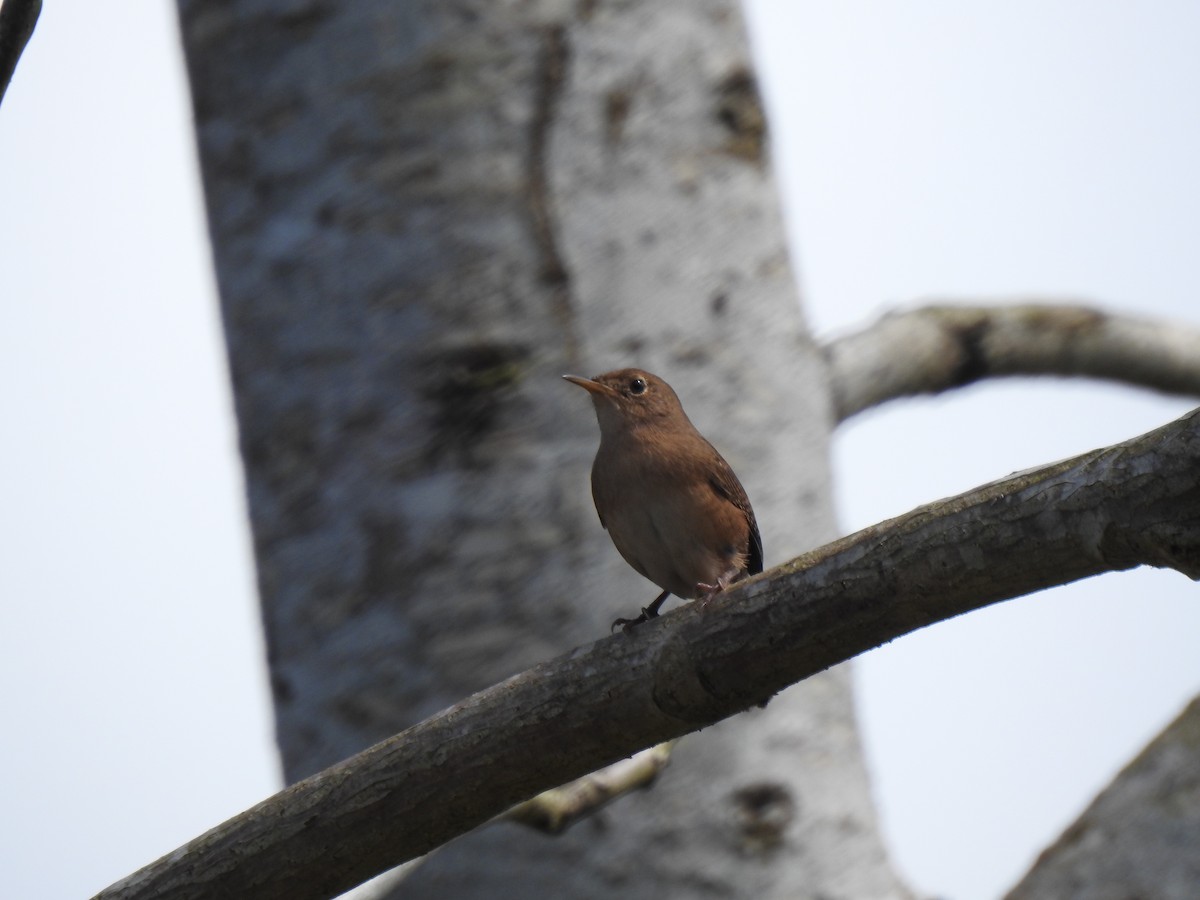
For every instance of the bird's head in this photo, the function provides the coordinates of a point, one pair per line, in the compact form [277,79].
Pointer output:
[629,398]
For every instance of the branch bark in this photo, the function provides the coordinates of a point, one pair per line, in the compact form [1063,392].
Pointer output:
[935,348]
[1135,503]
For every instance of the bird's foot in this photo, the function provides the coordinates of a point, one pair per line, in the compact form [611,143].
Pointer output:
[627,624]
[708,591]
[649,612]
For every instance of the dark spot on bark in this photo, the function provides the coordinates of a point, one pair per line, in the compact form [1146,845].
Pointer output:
[692,354]
[763,811]
[739,108]
[549,82]
[440,66]
[550,76]
[470,388]
[617,104]
[633,345]
[302,22]
[718,304]
[281,689]
[973,364]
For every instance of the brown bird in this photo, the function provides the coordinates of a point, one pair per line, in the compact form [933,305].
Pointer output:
[671,504]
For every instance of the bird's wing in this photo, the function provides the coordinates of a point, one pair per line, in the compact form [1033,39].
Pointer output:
[754,564]
[726,485]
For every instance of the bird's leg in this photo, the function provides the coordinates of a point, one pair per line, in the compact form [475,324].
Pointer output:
[652,610]
[649,612]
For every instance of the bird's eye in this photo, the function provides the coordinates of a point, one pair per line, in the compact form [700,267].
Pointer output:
[637,386]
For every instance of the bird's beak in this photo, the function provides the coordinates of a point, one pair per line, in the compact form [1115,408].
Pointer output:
[592,387]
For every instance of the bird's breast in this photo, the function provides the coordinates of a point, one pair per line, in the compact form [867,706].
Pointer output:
[665,519]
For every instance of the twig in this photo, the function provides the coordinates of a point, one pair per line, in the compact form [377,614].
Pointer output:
[557,809]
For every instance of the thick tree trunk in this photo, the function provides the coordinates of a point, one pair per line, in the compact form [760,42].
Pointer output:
[422,214]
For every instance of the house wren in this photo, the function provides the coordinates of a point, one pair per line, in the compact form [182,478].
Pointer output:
[671,504]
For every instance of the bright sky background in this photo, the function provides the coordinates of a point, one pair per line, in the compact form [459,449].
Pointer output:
[926,149]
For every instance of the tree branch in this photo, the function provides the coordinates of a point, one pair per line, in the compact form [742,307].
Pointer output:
[935,348]
[1135,503]
[17,19]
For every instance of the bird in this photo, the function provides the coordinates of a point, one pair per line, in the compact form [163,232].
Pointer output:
[672,505]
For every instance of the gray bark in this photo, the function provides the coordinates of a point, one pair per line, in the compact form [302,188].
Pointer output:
[422,214]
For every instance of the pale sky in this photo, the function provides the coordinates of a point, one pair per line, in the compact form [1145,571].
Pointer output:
[926,149]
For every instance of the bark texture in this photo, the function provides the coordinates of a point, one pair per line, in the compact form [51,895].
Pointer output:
[1131,504]
[1140,837]
[422,214]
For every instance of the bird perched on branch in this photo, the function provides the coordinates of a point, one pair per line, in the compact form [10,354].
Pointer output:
[671,504]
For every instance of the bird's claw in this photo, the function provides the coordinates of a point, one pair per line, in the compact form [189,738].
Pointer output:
[626,625]
[708,591]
